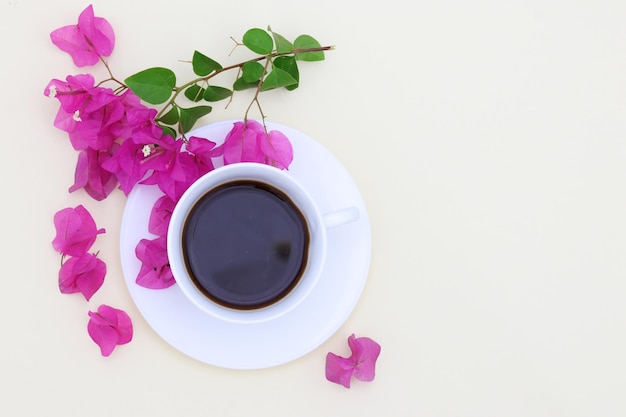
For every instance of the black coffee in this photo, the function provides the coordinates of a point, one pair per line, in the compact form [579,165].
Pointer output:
[245,244]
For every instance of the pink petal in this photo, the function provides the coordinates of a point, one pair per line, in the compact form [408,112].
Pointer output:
[366,352]
[204,150]
[109,327]
[160,216]
[241,144]
[277,148]
[76,231]
[84,274]
[104,336]
[98,31]
[69,39]
[155,271]
[89,175]
[339,370]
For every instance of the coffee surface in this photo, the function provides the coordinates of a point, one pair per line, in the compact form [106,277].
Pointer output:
[245,244]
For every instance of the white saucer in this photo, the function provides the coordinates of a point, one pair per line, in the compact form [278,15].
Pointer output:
[261,345]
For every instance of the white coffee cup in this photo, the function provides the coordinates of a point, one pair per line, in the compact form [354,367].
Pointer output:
[317,224]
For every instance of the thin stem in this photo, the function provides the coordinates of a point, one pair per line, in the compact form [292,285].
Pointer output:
[111,76]
[256,94]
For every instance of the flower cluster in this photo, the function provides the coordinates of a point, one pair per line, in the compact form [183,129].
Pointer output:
[120,143]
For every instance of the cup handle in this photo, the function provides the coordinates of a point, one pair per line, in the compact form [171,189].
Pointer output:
[339,217]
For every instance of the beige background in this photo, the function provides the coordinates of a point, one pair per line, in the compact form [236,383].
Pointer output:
[488,139]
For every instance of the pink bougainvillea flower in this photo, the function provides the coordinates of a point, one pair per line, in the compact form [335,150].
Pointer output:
[361,364]
[249,142]
[76,231]
[155,269]
[109,327]
[241,144]
[178,174]
[84,274]
[132,161]
[160,216]
[87,41]
[87,113]
[90,176]
[204,151]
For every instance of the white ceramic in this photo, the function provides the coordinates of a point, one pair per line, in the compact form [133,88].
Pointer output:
[231,345]
[316,224]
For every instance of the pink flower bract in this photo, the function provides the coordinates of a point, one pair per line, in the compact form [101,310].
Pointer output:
[361,364]
[109,327]
[87,41]
[276,148]
[160,216]
[248,142]
[76,231]
[89,175]
[84,274]
[155,271]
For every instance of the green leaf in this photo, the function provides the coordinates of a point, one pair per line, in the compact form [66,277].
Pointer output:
[168,131]
[308,42]
[154,85]
[277,78]
[289,65]
[194,93]
[240,84]
[189,117]
[216,93]
[171,117]
[283,46]
[259,41]
[203,65]
[252,71]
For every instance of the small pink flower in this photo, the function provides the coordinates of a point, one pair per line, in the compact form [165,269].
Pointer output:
[109,327]
[361,364]
[84,274]
[75,231]
[155,271]
[87,41]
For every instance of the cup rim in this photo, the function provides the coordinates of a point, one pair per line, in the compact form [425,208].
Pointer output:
[255,172]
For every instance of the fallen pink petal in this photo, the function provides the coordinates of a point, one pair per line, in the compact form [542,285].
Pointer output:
[109,327]
[76,231]
[84,274]
[361,364]
[87,41]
